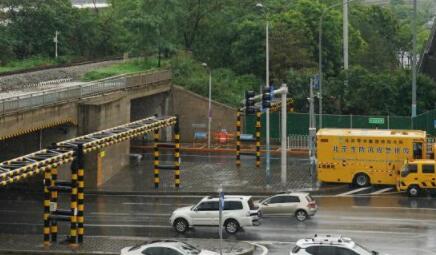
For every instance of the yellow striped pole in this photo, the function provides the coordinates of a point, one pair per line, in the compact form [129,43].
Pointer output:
[238,139]
[73,204]
[54,200]
[177,153]
[258,125]
[80,194]
[156,159]
[46,215]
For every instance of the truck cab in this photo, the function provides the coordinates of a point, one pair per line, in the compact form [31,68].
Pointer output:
[417,176]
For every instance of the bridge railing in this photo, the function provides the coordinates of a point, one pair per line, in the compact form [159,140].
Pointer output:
[54,96]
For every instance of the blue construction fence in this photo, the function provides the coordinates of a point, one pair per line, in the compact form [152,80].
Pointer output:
[298,123]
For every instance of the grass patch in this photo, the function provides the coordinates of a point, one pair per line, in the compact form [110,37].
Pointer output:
[27,63]
[123,68]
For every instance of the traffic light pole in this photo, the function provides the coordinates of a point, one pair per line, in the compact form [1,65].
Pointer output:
[267,140]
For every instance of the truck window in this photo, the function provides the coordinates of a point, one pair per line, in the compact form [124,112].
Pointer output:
[409,169]
[417,150]
[427,169]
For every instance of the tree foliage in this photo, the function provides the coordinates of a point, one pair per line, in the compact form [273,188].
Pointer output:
[229,36]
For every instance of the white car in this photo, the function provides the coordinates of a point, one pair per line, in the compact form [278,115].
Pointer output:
[165,247]
[239,212]
[329,245]
[298,204]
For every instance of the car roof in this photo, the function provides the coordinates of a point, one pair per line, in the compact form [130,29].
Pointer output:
[326,240]
[226,197]
[292,194]
[169,243]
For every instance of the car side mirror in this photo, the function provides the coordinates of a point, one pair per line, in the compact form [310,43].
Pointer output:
[265,203]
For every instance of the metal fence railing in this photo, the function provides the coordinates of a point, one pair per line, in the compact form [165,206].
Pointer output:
[57,95]
[298,142]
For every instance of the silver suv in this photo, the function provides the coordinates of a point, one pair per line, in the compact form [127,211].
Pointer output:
[299,204]
[239,211]
[329,245]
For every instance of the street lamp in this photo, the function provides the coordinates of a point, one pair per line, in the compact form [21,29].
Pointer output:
[321,19]
[209,112]
[267,112]
[414,62]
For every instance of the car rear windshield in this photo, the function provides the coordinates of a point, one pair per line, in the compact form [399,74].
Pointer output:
[309,198]
[296,249]
[251,204]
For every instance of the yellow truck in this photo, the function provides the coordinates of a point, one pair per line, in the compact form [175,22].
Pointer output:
[366,156]
[418,175]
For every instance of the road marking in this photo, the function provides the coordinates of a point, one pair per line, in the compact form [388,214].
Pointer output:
[393,207]
[353,191]
[381,191]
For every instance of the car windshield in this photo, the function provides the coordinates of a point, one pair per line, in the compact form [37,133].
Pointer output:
[189,249]
[251,205]
[362,250]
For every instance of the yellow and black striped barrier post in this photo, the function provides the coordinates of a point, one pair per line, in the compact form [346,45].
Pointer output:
[80,194]
[177,153]
[258,125]
[54,201]
[73,204]
[47,183]
[238,139]
[156,159]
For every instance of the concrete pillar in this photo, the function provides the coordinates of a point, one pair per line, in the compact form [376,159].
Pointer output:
[100,113]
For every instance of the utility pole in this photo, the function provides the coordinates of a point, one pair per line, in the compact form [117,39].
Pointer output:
[284,92]
[55,40]
[312,135]
[414,62]
[345,33]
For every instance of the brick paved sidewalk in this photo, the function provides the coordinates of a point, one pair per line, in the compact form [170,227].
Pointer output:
[201,173]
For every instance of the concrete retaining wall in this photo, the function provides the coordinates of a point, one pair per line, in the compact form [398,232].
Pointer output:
[193,109]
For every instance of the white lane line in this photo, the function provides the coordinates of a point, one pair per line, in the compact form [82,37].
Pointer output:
[381,191]
[393,207]
[263,248]
[353,191]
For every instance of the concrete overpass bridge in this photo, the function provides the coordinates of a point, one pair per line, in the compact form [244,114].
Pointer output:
[32,119]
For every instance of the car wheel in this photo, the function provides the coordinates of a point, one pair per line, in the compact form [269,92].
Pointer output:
[180,225]
[231,226]
[301,215]
[361,180]
[413,191]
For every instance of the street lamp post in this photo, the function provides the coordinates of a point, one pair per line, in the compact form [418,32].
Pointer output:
[414,62]
[267,112]
[55,40]
[345,27]
[209,112]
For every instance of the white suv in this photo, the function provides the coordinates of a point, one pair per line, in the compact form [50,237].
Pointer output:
[329,245]
[239,211]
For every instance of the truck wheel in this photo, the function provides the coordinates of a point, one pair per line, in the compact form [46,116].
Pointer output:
[180,225]
[231,226]
[361,180]
[413,191]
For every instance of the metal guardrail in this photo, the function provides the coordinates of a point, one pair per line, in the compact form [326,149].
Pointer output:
[53,96]
[298,142]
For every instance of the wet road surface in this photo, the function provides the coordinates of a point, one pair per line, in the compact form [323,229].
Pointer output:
[390,223]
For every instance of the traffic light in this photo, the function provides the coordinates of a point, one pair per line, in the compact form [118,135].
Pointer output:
[266,97]
[249,102]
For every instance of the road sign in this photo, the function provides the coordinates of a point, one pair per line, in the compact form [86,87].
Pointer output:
[379,121]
